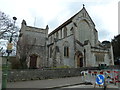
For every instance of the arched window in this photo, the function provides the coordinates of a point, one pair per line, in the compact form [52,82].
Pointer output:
[57,35]
[66,51]
[65,32]
[61,34]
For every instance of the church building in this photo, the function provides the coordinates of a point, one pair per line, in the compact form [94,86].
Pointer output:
[74,44]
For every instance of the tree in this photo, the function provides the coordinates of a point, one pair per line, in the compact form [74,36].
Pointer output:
[24,47]
[8,28]
[106,44]
[116,47]
[5,24]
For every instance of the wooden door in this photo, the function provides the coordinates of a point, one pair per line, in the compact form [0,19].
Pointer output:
[33,61]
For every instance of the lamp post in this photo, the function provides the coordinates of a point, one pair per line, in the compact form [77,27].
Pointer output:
[5,68]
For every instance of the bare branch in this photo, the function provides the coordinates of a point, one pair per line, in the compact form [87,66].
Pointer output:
[8,29]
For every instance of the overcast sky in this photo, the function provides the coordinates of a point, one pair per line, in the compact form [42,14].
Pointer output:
[40,13]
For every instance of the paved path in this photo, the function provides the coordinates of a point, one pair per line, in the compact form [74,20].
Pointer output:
[45,83]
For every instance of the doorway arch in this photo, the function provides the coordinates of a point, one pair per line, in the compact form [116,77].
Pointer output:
[79,59]
[33,61]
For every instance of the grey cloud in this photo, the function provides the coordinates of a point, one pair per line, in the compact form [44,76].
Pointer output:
[53,24]
[103,34]
[39,22]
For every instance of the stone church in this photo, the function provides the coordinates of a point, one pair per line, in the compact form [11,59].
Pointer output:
[74,44]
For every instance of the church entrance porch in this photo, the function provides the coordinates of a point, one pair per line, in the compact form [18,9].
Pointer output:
[78,59]
[33,61]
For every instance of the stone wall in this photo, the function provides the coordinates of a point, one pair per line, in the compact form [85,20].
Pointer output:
[40,74]
[33,43]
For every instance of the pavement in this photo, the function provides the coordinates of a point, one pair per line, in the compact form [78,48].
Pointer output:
[56,83]
[50,83]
